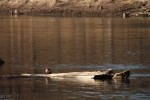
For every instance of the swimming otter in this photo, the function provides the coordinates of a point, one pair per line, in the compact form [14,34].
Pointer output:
[48,71]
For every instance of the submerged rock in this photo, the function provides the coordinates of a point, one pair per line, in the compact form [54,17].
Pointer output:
[1,61]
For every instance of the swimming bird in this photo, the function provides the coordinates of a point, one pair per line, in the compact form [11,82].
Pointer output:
[48,71]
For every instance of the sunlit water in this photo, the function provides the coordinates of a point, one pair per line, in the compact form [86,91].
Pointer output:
[31,44]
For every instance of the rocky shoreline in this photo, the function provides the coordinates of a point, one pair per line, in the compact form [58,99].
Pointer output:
[74,8]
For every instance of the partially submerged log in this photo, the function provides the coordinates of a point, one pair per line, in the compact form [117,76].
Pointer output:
[97,75]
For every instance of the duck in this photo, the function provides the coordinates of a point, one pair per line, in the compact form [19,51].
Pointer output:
[48,71]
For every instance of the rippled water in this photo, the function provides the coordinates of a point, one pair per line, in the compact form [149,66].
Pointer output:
[31,44]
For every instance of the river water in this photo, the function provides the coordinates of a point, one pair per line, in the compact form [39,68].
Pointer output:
[31,44]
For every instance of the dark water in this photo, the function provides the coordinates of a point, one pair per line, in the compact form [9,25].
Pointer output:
[31,44]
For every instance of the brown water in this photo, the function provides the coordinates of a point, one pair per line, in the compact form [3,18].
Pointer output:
[31,44]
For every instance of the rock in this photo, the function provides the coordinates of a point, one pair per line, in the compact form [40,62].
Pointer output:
[108,71]
[103,77]
[16,12]
[124,15]
[108,74]
[1,61]
[122,75]
[101,7]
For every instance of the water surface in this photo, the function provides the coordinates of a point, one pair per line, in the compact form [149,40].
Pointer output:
[31,44]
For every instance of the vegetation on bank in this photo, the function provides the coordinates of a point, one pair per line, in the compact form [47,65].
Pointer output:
[76,7]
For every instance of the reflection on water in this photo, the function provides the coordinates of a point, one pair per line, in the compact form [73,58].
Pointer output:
[39,89]
[31,44]
[45,42]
